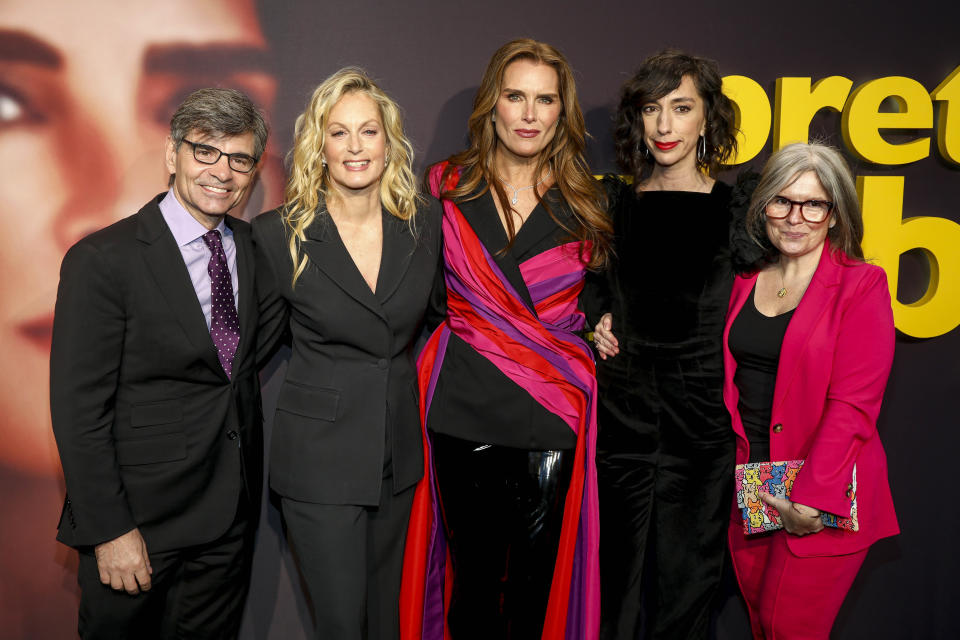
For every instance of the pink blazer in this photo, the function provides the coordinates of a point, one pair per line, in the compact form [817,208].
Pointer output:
[833,369]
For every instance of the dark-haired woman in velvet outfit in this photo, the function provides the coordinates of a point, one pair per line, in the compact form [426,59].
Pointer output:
[664,450]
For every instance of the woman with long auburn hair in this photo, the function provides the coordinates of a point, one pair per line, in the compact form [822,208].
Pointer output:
[507,383]
[346,266]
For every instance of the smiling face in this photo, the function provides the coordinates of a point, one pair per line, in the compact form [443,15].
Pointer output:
[355,145]
[527,110]
[209,191]
[793,236]
[86,94]
[673,124]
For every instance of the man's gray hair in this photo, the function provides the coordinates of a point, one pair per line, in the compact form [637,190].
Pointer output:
[217,112]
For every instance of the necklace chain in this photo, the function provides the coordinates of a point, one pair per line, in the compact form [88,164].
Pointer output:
[783,288]
[516,190]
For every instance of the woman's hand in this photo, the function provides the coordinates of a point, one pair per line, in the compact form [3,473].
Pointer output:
[798,519]
[603,337]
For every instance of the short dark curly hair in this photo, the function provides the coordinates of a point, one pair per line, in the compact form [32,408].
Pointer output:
[658,76]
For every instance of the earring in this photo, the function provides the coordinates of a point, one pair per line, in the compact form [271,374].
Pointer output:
[323,161]
[493,117]
[645,153]
[701,149]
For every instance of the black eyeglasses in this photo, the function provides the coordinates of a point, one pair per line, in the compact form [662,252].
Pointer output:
[206,154]
[811,210]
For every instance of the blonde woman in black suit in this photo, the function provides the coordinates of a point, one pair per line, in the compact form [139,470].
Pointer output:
[347,264]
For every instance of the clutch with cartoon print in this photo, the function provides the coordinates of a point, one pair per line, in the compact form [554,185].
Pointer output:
[776,478]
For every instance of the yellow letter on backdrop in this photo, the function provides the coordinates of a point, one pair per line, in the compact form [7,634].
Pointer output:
[887,234]
[797,103]
[948,122]
[753,116]
[862,120]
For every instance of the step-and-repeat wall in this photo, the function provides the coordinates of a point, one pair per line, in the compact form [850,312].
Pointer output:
[87,89]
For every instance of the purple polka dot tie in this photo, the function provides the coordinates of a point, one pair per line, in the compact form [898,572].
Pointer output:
[224,323]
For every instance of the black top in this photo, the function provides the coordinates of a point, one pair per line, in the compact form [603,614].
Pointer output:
[473,399]
[670,281]
[755,342]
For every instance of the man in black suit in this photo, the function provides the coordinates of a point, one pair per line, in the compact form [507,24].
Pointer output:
[154,392]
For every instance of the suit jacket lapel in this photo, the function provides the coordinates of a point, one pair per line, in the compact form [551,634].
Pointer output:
[165,262]
[540,225]
[327,251]
[247,308]
[816,299]
[398,249]
[481,214]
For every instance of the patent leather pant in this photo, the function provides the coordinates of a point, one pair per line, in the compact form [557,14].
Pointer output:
[503,511]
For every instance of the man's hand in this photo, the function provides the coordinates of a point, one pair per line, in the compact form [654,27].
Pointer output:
[124,564]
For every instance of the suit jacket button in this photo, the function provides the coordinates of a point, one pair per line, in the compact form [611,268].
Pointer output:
[777,428]
[232,435]
[382,363]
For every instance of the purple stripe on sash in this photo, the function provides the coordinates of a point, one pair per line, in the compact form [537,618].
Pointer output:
[436,572]
[545,288]
[438,360]
[555,358]
[575,613]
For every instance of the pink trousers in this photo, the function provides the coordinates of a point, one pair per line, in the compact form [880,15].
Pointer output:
[789,597]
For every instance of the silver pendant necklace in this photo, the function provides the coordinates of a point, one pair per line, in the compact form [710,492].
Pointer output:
[516,191]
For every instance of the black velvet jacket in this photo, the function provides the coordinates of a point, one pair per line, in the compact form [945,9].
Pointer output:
[670,280]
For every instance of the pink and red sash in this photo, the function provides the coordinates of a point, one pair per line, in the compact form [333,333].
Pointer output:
[541,353]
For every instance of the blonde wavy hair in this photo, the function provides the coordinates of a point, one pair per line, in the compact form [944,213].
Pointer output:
[309,187]
[564,156]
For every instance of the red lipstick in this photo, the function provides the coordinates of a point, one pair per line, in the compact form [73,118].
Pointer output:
[666,146]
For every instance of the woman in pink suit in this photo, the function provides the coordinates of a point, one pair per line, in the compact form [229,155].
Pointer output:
[808,345]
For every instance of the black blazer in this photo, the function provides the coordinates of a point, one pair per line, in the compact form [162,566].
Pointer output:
[151,431]
[348,404]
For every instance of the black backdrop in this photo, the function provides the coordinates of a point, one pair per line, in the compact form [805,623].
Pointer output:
[429,55]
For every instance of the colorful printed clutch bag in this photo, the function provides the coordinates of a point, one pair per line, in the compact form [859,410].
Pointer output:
[776,478]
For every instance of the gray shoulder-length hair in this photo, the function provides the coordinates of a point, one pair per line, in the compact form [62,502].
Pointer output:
[785,166]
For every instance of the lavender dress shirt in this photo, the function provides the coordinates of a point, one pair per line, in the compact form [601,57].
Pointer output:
[188,234]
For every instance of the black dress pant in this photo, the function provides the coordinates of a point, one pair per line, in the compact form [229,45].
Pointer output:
[197,592]
[503,511]
[351,558]
[665,456]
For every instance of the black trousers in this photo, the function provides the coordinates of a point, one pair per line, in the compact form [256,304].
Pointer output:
[197,592]
[503,510]
[351,558]
[665,457]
